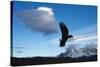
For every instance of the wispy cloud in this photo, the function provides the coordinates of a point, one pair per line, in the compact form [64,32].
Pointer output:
[41,19]
[79,40]
[91,29]
[82,36]
[83,39]
[19,51]
[18,47]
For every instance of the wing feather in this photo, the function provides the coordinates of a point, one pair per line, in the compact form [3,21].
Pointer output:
[64,29]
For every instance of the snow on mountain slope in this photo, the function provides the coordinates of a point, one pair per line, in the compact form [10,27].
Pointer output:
[75,52]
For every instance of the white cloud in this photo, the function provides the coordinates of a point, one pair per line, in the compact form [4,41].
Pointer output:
[82,39]
[41,19]
[91,29]
[82,36]
[49,10]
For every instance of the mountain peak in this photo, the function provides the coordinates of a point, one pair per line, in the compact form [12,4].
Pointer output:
[75,52]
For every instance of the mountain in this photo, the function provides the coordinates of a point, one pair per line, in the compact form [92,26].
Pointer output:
[75,52]
[90,50]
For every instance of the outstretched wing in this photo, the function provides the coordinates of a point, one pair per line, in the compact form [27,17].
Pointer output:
[64,29]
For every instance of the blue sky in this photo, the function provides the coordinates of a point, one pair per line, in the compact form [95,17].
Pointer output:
[80,19]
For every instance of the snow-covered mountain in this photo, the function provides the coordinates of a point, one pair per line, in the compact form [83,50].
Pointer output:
[90,50]
[75,52]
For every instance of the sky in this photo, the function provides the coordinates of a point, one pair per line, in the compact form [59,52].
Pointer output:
[36,27]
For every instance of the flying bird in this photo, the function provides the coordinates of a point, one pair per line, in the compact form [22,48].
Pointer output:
[65,34]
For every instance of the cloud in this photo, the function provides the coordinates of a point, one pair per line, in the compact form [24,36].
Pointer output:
[82,39]
[49,10]
[19,51]
[83,36]
[41,19]
[18,47]
[92,28]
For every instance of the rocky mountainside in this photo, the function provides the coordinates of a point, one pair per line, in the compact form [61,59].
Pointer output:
[75,52]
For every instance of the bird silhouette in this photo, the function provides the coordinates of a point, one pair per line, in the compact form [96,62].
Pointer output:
[65,34]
